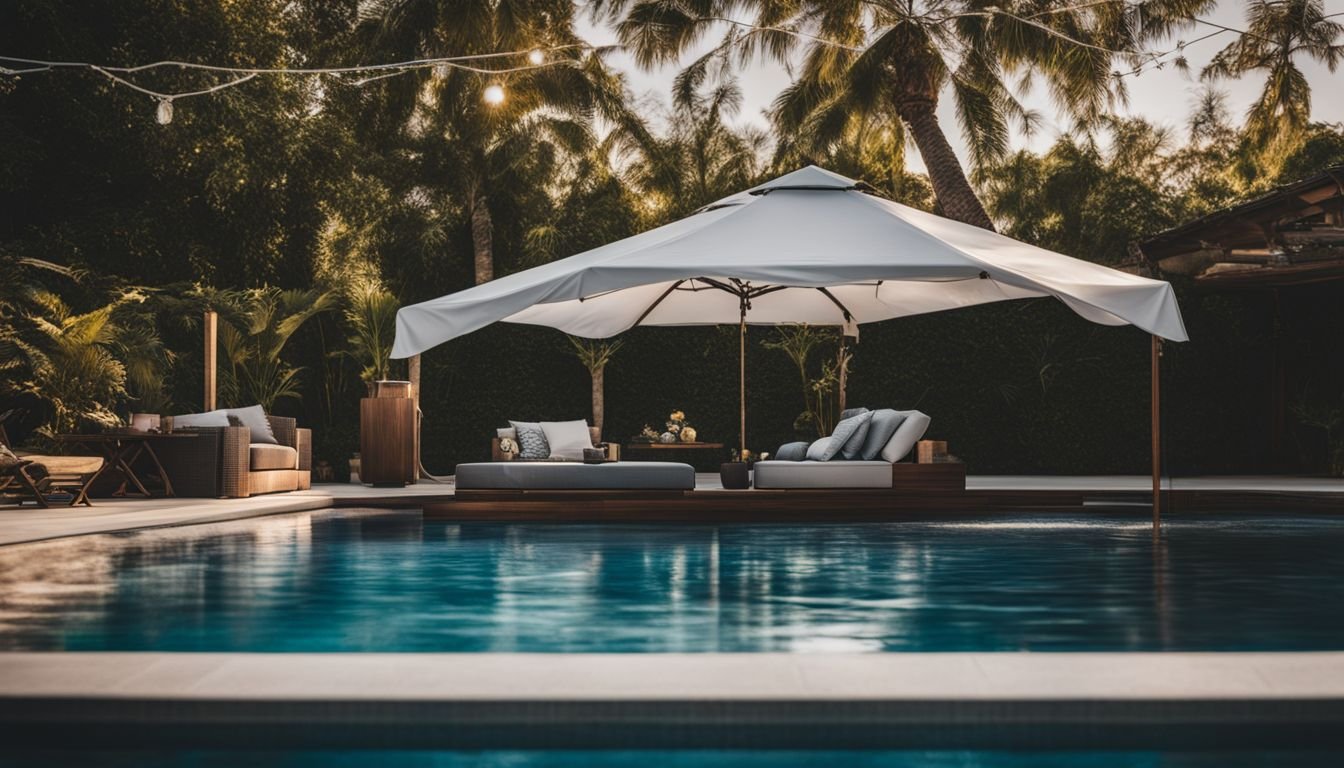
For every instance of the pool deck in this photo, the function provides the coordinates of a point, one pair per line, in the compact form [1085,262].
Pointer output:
[709,503]
[479,701]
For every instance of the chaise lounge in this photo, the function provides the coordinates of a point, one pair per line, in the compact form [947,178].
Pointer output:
[241,452]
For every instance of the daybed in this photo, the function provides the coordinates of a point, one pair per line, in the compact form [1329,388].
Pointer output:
[873,467]
[574,476]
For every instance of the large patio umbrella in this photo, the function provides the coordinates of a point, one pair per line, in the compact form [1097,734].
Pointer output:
[808,247]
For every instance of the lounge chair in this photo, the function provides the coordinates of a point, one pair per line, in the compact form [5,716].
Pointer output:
[38,478]
[879,472]
[226,461]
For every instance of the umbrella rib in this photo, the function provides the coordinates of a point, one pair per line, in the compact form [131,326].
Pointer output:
[657,301]
[826,292]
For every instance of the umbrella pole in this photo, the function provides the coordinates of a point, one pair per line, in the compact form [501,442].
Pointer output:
[742,383]
[1157,434]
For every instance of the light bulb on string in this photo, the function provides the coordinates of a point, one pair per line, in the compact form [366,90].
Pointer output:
[164,113]
[494,94]
[536,57]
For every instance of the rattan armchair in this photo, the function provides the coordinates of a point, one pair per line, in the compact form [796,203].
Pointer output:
[218,464]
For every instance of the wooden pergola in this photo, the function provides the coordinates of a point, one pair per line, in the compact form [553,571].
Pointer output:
[1282,240]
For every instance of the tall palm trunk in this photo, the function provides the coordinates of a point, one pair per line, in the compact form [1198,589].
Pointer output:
[950,186]
[599,376]
[482,234]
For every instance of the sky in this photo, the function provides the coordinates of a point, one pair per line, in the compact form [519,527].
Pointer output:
[1165,97]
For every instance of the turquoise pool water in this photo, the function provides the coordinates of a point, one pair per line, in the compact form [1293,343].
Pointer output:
[698,759]
[389,581]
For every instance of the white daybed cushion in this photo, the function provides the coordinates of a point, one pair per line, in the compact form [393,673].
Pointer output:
[905,437]
[823,474]
[568,439]
[567,476]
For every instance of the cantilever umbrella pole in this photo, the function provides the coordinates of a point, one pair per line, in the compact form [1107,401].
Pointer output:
[742,382]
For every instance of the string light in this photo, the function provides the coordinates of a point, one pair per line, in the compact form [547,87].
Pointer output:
[536,58]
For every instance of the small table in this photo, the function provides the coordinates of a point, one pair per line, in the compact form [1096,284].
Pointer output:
[121,449]
[669,451]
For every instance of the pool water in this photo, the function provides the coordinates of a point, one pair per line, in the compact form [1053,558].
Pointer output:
[664,759]
[369,580]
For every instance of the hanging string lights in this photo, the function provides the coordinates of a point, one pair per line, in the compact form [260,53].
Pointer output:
[493,94]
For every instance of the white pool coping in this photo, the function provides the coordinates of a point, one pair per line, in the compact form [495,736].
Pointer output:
[656,676]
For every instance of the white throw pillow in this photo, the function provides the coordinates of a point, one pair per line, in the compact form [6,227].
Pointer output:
[507,432]
[905,437]
[254,418]
[208,419]
[568,439]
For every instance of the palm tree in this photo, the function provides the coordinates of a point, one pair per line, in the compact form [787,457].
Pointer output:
[255,327]
[371,313]
[701,158]
[1278,34]
[468,153]
[894,59]
[595,355]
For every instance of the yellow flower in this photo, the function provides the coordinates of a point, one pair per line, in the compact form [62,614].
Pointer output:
[678,416]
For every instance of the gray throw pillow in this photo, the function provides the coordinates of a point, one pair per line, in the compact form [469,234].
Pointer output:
[851,432]
[217,418]
[254,418]
[791,452]
[851,412]
[821,450]
[531,440]
[883,425]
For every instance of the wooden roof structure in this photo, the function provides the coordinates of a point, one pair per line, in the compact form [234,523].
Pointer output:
[1293,235]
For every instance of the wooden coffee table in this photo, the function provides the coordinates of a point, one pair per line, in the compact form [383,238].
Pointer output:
[121,449]
[673,452]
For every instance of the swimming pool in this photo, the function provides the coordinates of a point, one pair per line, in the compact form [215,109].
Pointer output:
[369,580]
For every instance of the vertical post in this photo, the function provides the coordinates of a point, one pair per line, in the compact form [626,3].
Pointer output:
[211,325]
[1157,434]
[742,382]
[413,375]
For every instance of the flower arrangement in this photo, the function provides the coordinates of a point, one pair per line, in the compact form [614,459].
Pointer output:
[675,429]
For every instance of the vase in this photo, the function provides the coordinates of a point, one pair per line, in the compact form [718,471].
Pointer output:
[667,438]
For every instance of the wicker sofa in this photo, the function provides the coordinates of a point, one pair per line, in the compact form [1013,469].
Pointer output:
[222,463]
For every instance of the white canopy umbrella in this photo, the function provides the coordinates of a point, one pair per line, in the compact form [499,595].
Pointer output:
[808,247]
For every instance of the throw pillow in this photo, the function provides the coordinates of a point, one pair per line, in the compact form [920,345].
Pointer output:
[851,432]
[568,439]
[912,428]
[821,450]
[791,452]
[208,419]
[508,432]
[254,418]
[851,412]
[884,424]
[531,440]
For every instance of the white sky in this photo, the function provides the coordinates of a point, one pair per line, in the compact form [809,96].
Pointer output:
[1165,96]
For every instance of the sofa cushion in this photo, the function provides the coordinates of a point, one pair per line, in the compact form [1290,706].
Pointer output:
[531,440]
[217,418]
[912,428]
[254,418]
[569,476]
[823,474]
[881,427]
[507,432]
[851,412]
[263,457]
[820,449]
[850,433]
[567,439]
[792,452]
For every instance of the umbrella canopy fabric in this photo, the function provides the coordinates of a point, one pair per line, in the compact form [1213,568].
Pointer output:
[809,247]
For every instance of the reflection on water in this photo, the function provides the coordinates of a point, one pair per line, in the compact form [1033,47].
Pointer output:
[387,581]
